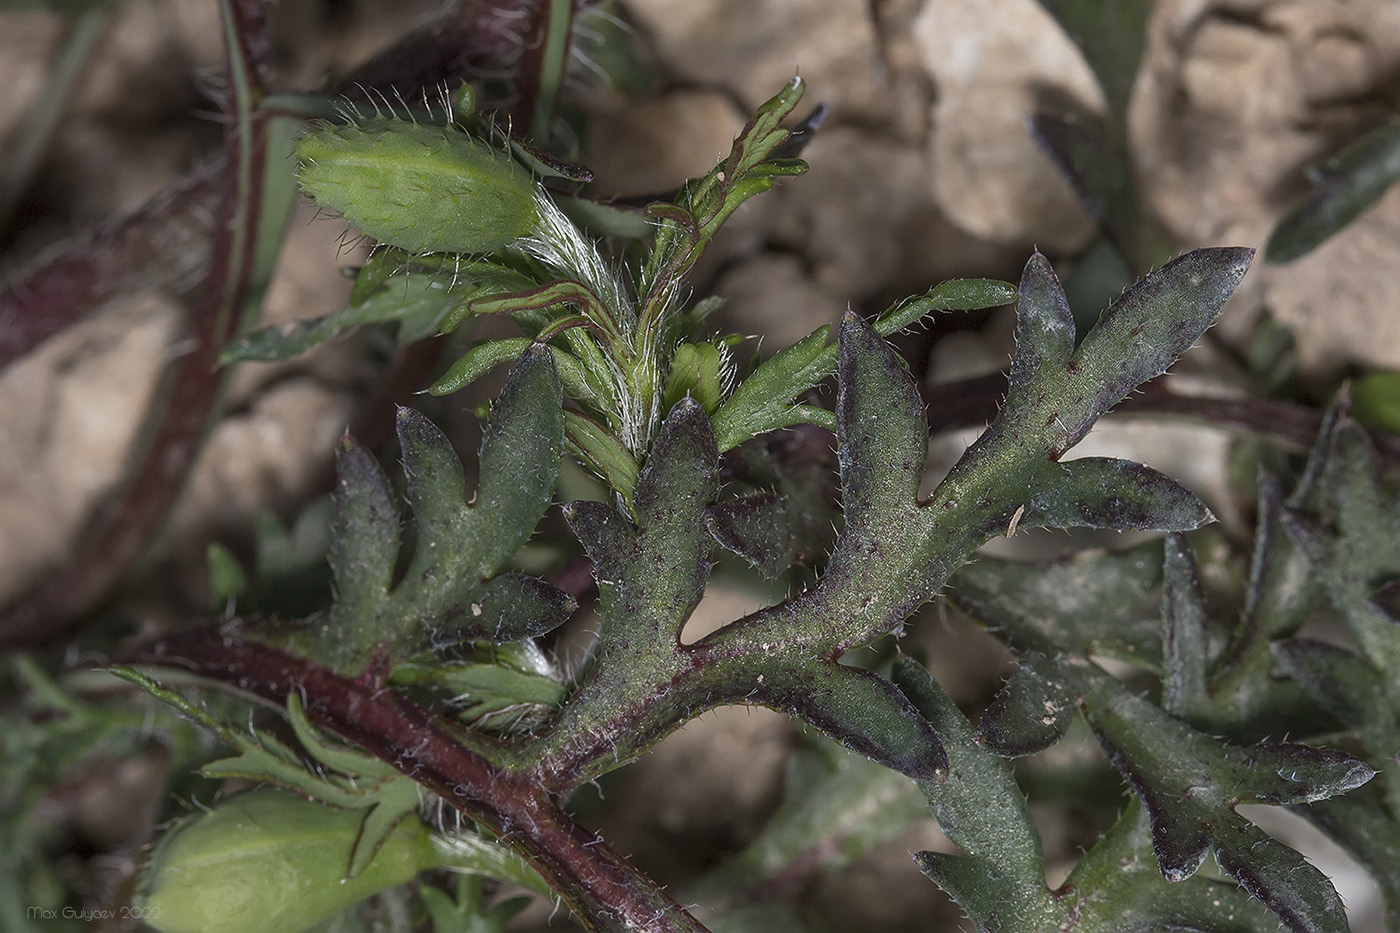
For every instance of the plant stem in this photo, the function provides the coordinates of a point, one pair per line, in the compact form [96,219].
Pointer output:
[604,890]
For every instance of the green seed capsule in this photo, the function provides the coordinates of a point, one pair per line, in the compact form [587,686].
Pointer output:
[427,189]
[271,861]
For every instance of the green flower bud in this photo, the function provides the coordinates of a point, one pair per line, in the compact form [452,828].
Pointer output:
[426,189]
[270,861]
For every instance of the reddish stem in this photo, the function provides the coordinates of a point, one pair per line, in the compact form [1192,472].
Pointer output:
[604,890]
[973,402]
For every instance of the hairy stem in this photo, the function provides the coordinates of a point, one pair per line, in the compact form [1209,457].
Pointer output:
[602,888]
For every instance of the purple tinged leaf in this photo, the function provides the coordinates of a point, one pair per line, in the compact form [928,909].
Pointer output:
[1044,328]
[862,711]
[1102,492]
[519,459]
[1030,713]
[1179,840]
[757,528]
[1190,784]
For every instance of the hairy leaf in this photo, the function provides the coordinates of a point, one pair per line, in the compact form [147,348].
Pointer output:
[459,545]
[1190,784]
[1030,713]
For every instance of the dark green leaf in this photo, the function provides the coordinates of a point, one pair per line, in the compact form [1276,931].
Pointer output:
[1184,636]
[1146,330]
[1101,492]
[1344,187]
[1190,784]
[1030,713]
[757,528]
[1101,603]
[1116,886]
[364,539]
[514,606]
[862,711]
[1112,37]
[1001,882]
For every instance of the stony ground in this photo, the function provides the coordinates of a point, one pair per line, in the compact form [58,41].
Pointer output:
[924,170]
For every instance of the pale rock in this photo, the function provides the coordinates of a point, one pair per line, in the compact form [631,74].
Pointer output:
[277,453]
[850,215]
[651,147]
[1340,300]
[1236,98]
[26,44]
[753,49]
[773,296]
[70,413]
[989,176]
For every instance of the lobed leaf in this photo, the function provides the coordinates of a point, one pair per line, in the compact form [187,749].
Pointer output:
[459,546]
[1190,784]
[1001,881]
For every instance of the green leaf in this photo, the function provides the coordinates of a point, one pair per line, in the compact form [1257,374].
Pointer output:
[603,452]
[1095,602]
[459,546]
[1343,188]
[1375,400]
[416,302]
[1185,658]
[952,295]
[764,401]
[862,711]
[1190,783]
[1101,492]
[1116,887]
[1001,880]
[757,528]
[1030,713]
[1112,37]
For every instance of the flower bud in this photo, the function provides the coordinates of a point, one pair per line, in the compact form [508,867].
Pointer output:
[271,861]
[419,187]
